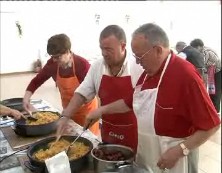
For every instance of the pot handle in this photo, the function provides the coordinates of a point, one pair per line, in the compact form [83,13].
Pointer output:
[13,127]
[31,167]
[122,163]
[101,143]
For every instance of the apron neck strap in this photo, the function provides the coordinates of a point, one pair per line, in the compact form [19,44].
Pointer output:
[73,65]
[164,69]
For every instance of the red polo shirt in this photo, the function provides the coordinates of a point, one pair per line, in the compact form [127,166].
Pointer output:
[183,104]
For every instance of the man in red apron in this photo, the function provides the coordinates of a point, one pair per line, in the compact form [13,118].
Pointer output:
[110,78]
[173,109]
[68,71]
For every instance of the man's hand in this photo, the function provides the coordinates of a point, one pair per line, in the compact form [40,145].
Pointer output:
[4,110]
[93,117]
[27,106]
[15,114]
[62,126]
[170,157]
[26,102]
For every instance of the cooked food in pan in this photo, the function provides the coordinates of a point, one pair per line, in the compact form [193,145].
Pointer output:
[77,150]
[43,118]
[109,155]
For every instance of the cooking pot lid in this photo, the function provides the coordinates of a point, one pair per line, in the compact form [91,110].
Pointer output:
[12,101]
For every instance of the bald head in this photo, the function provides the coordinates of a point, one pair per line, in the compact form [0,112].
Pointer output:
[180,46]
[154,34]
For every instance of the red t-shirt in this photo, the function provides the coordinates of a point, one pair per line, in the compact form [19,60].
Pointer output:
[50,70]
[182,89]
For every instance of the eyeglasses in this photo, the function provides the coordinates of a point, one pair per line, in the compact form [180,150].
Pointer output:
[56,56]
[141,57]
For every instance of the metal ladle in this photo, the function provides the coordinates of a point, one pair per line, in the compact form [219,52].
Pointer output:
[30,116]
[77,138]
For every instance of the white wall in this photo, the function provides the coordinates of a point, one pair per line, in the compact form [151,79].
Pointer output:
[40,20]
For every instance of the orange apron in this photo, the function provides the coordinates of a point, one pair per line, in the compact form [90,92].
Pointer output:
[67,86]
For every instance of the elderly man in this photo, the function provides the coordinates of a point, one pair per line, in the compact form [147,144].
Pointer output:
[112,77]
[174,112]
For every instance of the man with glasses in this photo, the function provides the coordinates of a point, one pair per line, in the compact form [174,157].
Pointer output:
[68,71]
[112,77]
[174,112]
[139,58]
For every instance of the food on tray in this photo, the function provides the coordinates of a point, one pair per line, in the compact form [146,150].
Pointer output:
[109,155]
[42,118]
[77,150]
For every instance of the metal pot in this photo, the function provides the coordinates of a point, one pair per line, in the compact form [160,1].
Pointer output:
[21,128]
[76,164]
[105,165]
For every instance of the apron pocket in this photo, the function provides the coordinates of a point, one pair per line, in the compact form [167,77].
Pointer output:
[165,116]
[120,134]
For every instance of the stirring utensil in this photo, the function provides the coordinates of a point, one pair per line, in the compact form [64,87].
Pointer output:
[74,141]
[31,117]
[57,139]
[77,138]
[25,117]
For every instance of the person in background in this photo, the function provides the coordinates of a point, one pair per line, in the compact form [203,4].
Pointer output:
[112,77]
[212,63]
[180,45]
[4,110]
[68,70]
[174,112]
[193,56]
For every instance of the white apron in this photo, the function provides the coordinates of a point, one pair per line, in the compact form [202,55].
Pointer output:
[150,145]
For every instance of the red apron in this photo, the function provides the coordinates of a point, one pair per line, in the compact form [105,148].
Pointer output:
[67,86]
[118,128]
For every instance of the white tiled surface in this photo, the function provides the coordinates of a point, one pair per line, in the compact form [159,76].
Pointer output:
[15,85]
[210,155]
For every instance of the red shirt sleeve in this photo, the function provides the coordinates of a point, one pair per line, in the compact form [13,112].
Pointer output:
[50,70]
[129,101]
[200,107]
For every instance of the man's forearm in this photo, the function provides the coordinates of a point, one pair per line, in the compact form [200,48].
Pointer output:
[199,138]
[118,106]
[4,110]
[75,103]
[27,95]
